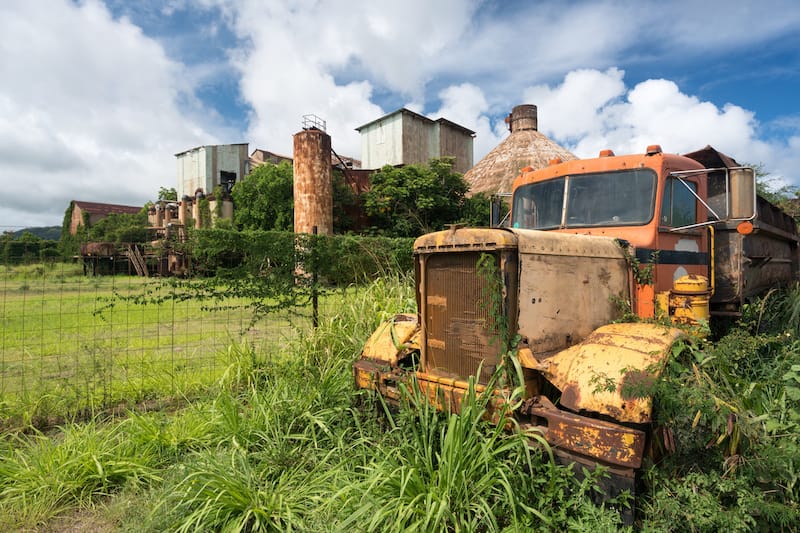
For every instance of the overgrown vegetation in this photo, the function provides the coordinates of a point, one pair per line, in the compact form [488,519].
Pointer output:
[283,442]
[263,200]
[26,248]
[270,257]
[402,201]
[730,410]
[411,200]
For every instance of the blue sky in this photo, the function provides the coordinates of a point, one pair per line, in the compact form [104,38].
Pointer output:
[97,96]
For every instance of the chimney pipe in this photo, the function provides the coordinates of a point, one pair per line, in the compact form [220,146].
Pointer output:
[523,117]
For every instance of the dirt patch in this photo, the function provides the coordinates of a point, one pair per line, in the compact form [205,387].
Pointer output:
[83,521]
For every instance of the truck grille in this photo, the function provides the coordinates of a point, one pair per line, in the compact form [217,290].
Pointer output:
[459,326]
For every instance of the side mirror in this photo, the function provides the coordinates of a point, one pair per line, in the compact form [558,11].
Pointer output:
[742,197]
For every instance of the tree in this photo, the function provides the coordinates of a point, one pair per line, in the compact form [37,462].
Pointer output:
[476,210]
[415,199]
[170,195]
[120,228]
[345,203]
[786,197]
[264,198]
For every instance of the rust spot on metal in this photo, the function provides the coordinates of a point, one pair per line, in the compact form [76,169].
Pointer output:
[437,300]
[571,396]
[604,276]
[603,441]
[436,343]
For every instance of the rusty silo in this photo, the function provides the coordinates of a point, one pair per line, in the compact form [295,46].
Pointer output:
[524,147]
[313,192]
[198,198]
[183,209]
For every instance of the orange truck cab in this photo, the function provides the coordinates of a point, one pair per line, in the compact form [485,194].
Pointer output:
[671,209]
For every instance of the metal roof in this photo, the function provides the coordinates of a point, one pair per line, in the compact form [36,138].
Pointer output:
[97,208]
[403,110]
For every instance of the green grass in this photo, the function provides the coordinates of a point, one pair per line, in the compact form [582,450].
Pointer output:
[71,344]
[282,442]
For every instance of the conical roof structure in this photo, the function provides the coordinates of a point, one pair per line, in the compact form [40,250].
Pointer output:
[525,147]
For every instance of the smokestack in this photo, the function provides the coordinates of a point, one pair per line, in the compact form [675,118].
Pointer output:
[183,209]
[198,195]
[523,117]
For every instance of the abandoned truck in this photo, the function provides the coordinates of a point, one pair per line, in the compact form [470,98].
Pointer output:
[681,237]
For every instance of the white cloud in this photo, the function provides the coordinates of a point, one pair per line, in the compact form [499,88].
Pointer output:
[326,58]
[574,109]
[93,108]
[593,110]
[90,109]
[332,59]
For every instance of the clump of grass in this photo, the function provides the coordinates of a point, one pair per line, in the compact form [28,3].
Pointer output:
[41,477]
[454,472]
[232,491]
[461,472]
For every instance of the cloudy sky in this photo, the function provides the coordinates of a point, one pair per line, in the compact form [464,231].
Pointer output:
[96,96]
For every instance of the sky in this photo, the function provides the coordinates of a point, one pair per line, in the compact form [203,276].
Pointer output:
[97,96]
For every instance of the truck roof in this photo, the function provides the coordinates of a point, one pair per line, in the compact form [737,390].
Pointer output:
[654,159]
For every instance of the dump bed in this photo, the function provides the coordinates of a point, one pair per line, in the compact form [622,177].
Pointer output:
[748,265]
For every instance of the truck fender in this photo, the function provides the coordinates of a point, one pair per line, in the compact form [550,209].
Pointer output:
[393,340]
[611,372]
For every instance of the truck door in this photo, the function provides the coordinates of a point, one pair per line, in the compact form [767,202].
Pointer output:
[682,245]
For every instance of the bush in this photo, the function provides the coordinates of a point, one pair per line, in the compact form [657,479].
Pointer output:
[731,409]
[338,260]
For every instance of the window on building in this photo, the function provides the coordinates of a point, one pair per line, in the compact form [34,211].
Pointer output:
[227,180]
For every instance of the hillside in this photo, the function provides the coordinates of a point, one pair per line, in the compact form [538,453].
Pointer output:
[49,233]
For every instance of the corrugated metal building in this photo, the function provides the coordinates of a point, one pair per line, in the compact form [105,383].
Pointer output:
[259,156]
[206,167]
[405,137]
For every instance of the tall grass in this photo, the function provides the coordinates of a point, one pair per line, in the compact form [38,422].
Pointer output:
[282,442]
[448,472]
[41,476]
[285,443]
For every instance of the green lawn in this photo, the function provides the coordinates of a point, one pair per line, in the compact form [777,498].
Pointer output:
[70,342]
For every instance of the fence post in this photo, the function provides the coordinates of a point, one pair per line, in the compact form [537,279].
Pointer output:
[314,278]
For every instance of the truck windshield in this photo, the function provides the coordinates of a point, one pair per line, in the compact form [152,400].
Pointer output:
[619,198]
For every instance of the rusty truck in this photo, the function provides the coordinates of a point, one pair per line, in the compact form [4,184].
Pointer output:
[684,238]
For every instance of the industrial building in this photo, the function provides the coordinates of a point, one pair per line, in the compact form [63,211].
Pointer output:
[90,213]
[405,137]
[206,168]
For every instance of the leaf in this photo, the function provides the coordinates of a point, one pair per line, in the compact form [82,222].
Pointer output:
[696,418]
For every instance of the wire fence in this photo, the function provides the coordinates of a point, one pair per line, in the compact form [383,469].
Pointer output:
[72,341]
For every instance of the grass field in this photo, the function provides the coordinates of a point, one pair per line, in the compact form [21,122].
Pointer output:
[71,342]
[281,441]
